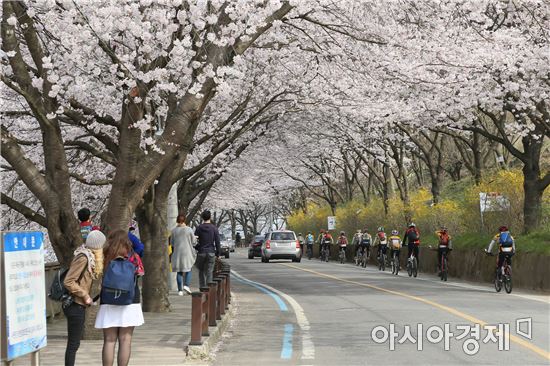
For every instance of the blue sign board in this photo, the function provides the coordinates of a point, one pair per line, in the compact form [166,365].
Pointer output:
[25,297]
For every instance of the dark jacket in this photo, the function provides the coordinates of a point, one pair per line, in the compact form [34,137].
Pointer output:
[412,236]
[208,239]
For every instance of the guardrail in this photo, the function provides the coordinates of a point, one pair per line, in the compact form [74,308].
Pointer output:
[210,303]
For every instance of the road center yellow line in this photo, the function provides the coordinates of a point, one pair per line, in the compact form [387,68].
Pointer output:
[448,309]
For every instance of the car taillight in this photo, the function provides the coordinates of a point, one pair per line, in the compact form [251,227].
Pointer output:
[268,244]
[297,244]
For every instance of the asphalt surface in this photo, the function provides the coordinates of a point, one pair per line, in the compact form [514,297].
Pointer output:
[314,313]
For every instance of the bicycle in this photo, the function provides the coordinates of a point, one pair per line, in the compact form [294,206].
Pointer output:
[358,256]
[382,261]
[365,257]
[412,266]
[324,254]
[503,276]
[444,268]
[395,264]
[309,251]
[342,255]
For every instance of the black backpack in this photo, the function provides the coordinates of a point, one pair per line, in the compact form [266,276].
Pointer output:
[413,235]
[58,291]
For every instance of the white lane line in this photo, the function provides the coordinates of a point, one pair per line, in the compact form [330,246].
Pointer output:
[308,348]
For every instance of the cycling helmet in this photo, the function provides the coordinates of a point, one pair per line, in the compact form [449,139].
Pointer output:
[395,232]
[342,233]
[412,224]
[381,228]
[503,228]
[309,232]
[299,234]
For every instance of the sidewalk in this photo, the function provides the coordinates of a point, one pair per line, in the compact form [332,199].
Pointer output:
[157,342]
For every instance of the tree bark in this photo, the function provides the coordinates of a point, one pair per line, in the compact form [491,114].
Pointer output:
[152,217]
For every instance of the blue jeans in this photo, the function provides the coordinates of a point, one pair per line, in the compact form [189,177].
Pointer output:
[179,279]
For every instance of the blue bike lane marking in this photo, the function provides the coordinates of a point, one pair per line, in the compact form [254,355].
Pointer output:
[286,351]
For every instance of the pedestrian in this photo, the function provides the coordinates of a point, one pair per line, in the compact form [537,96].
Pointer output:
[118,321]
[86,266]
[137,245]
[238,240]
[85,223]
[208,248]
[184,255]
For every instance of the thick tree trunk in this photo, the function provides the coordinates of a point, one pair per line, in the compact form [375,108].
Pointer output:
[532,203]
[477,159]
[435,187]
[533,188]
[155,260]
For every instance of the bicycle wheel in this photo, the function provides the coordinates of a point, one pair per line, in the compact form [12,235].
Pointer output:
[508,280]
[383,262]
[415,267]
[409,268]
[397,265]
[444,269]
[498,283]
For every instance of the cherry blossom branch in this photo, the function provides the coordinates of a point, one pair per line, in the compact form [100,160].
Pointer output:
[24,210]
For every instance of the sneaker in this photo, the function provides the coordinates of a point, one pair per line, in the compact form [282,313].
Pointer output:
[187,289]
[180,293]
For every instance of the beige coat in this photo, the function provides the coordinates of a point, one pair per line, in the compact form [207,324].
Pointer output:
[79,289]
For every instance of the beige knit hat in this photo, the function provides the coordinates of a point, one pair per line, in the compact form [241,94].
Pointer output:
[95,239]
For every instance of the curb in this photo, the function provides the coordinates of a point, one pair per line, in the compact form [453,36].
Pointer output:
[202,352]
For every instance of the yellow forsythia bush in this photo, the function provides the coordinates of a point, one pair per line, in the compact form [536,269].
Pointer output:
[460,213]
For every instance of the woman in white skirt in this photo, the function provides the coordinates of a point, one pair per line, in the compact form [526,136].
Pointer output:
[118,321]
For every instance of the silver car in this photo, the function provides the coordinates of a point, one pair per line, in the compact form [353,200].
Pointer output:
[281,245]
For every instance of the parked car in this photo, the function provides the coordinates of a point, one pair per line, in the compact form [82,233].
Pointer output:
[281,245]
[255,248]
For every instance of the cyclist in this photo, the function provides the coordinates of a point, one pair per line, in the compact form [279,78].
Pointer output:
[506,246]
[395,243]
[381,241]
[412,240]
[445,245]
[356,241]
[327,242]
[366,241]
[301,241]
[343,242]
[321,237]
[320,241]
[309,243]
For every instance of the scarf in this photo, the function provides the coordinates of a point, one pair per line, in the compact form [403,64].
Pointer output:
[95,259]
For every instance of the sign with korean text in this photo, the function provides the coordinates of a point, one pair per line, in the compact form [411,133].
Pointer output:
[331,225]
[493,201]
[24,296]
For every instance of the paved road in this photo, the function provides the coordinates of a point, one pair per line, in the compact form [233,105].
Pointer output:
[314,313]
